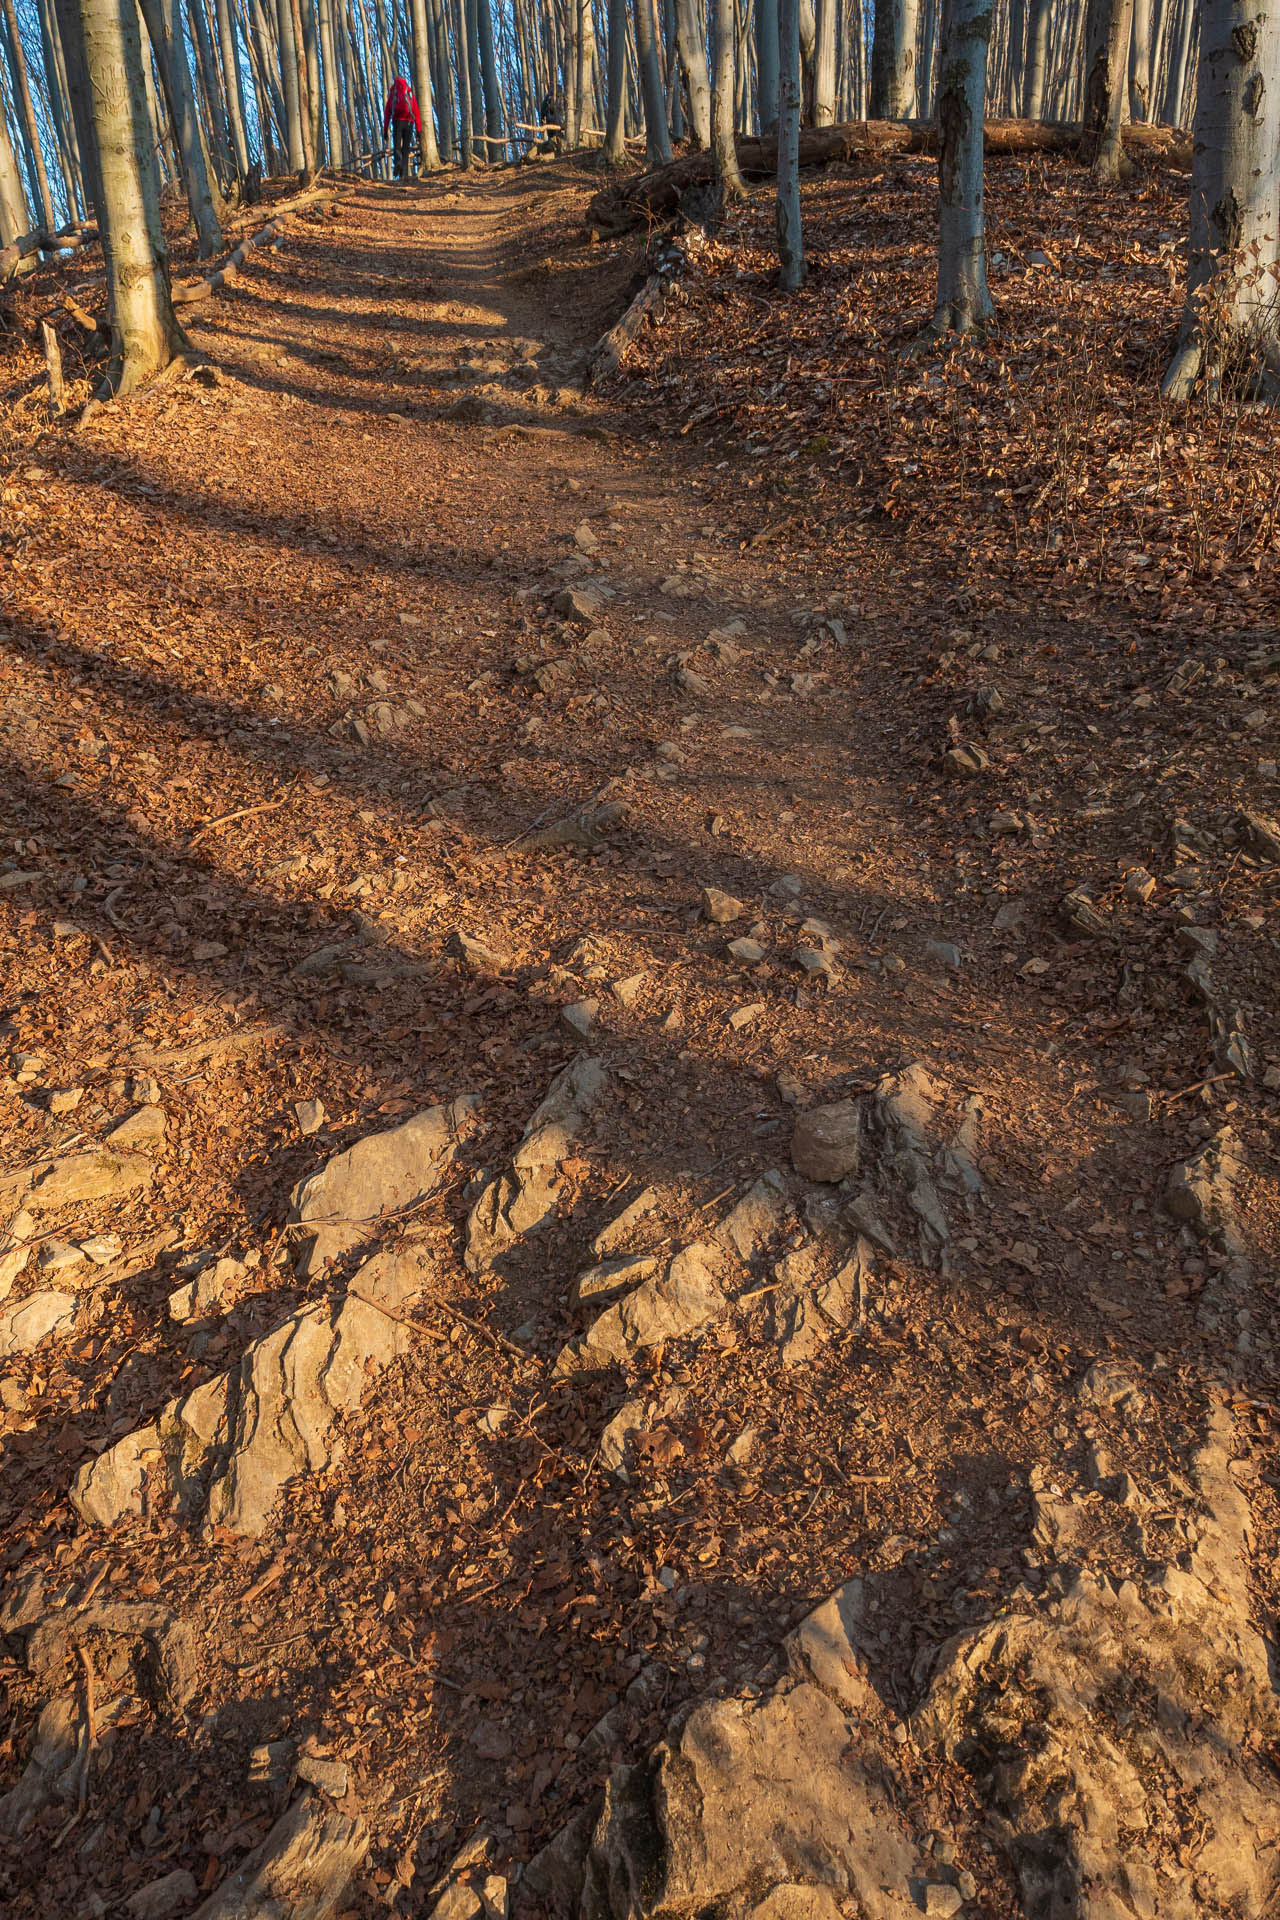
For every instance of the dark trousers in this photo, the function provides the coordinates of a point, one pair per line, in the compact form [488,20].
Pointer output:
[402,132]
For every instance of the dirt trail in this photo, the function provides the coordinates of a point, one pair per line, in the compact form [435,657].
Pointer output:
[287,681]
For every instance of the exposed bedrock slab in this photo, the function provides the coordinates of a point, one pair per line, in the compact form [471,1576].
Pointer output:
[519,1202]
[380,1175]
[1114,1733]
[301,1871]
[232,1445]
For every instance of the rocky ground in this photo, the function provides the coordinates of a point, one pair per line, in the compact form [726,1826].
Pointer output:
[641,1086]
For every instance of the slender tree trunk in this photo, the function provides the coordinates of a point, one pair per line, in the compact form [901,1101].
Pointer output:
[422,81]
[1231,320]
[724,151]
[464,83]
[615,131]
[68,145]
[657,139]
[164,28]
[1037,57]
[893,60]
[26,106]
[446,99]
[1140,51]
[71,41]
[790,231]
[767,64]
[263,34]
[964,304]
[306,39]
[214,118]
[489,79]
[691,40]
[234,84]
[824,72]
[1179,64]
[332,87]
[291,57]
[14,218]
[145,333]
[1106,78]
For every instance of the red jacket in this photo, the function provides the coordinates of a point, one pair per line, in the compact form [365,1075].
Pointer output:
[401,105]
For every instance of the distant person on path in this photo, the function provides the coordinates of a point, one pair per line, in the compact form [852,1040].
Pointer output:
[401,114]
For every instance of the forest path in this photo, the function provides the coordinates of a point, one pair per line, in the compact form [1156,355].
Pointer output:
[288,678]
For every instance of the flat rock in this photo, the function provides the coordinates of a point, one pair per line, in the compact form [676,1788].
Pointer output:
[824,1648]
[58,1256]
[580,1016]
[24,1327]
[743,1016]
[205,1292]
[756,1218]
[302,1869]
[476,954]
[1072,1713]
[76,1179]
[521,1201]
[15,1250]
[380,1175]
[310,1115]
[628,990]
[827,1141]
[720,908]
[142,1645]
[52,1771]
[680,1300]
[580,606]
[144,1128]
[612,1276]
[163,1898]
[748,952]
[624,1225]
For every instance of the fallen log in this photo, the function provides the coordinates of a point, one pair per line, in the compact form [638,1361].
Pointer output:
[649,304]
[189,293]
[656,195]
[66,240]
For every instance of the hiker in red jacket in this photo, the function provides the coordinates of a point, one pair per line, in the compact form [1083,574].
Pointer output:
[402,114]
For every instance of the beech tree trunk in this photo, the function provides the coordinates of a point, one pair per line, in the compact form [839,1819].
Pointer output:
[893,59]
[767,64]
[26,107]
[164,27]
[1231,320]
[790,233]
[723,148]
[1140,60]
[422,82]
[291,87]
[146,336]
[1037,58]
[824,71]
[693,58]
[615,142]
[234,86]
[489,77]
[1108,28]
[332,87]
[656,138]
[964,304]
[14,218]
